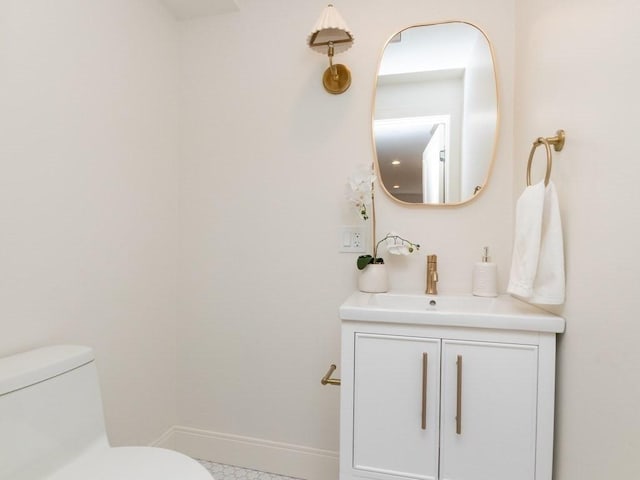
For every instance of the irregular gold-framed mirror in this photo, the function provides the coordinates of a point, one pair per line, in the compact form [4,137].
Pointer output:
[435,114]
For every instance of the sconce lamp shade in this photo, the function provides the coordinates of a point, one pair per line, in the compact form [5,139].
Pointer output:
[330,27]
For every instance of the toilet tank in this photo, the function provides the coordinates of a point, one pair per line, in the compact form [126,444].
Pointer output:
[50,410]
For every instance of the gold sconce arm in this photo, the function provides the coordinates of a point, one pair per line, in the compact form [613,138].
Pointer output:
[327,380]
[334,70]
[337,78]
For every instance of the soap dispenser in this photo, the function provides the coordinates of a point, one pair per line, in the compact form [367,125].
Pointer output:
[485,277]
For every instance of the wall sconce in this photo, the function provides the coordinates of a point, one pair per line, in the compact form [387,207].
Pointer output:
[330,35]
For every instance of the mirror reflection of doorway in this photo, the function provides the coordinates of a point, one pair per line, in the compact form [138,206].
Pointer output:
[435,166]
[414,157]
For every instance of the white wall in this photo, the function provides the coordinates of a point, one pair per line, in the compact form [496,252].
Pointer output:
[577,69]
[267,154]
[88,195]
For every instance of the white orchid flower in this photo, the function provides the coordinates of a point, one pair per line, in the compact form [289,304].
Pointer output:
[398,249]
[359,189]
[397,246]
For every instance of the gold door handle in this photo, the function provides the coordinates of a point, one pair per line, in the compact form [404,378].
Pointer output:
[425,365]
[459,395]
[327,380]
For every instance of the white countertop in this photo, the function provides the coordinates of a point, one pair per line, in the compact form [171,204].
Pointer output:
[501,312]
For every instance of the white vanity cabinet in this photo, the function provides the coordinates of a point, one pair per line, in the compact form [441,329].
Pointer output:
[444,396]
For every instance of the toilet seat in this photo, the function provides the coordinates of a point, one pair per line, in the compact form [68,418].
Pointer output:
[133,463]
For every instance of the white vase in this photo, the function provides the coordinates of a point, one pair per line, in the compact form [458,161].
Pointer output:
[374,278]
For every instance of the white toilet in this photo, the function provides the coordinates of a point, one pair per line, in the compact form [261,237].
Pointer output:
[52,426]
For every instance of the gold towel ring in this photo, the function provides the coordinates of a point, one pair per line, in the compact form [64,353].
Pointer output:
[536,144]
[558,144]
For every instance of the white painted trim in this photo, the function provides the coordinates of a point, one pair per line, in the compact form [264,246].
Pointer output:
[275,457]
[165,440]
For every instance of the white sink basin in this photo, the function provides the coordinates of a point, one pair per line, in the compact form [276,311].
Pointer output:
[504,311]
[443,303]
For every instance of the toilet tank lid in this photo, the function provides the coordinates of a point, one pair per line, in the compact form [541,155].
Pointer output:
[28,368]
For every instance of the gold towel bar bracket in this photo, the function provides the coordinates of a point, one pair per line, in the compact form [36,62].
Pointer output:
[557,141]
[558,145]
[327,380]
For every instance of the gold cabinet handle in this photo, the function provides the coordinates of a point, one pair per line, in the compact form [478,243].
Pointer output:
[425,365]
[459,395]
[327,380]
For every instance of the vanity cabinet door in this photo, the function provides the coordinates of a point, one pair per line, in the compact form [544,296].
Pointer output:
[396,406]
[488,419]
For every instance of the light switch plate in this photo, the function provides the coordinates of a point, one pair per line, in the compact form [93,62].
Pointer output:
[352,239]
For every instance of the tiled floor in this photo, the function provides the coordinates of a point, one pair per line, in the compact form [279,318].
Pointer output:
[220,471]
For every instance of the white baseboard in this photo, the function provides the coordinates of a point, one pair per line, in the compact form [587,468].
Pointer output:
[275,457]
[166,440]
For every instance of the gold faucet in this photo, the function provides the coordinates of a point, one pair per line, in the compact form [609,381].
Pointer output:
[432,274]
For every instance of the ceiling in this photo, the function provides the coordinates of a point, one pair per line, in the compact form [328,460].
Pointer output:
[189,9]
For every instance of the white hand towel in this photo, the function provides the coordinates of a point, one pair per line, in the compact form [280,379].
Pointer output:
[537,266]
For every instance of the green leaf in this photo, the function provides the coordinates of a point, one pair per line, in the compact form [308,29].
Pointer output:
[363,261]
